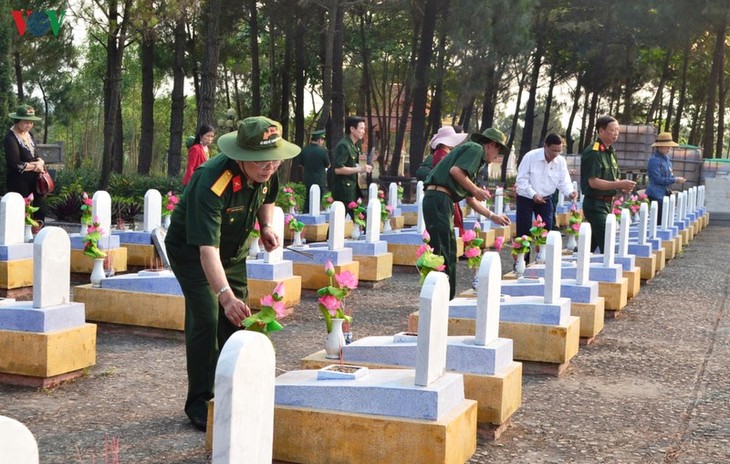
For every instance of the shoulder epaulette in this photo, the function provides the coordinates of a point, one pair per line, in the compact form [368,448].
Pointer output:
[220,185]
[596,146]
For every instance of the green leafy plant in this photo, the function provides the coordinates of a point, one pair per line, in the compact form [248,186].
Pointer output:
[357,211]
[520,245]
[91,241]
[29,210]
[332,299]
[272,308]
[472,248]
[426,259]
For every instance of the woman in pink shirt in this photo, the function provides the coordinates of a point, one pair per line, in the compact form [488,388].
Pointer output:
[198,152]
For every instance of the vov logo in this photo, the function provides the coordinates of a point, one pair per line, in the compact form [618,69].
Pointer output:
[38,23]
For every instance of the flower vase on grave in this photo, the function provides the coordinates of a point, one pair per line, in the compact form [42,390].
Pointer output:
[571,244]
[291,211]
[520,265]
[356,232]
[82,232]
[97,272]
[28,233]
[386,226]
[166,222]
[475,281]
[255,248]
[297,240]
[540,254]
[335,340]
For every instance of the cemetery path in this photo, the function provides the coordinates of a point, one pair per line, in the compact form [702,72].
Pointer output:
[653,387]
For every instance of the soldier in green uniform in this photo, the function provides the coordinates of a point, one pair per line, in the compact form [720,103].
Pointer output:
[599,179]
[452,180]
[208,241]
[314,160]
[346,162]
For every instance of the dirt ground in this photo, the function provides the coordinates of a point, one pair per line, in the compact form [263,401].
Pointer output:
[653,387]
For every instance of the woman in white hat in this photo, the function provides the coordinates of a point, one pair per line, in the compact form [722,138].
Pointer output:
[442,143]
[22,161]
[660,172]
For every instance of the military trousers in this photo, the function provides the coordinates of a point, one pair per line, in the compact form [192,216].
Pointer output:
[438,214]
[595,211]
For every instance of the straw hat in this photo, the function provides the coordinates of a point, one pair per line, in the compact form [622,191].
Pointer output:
[25,113]
[447,135]
[664,140]
[258,139]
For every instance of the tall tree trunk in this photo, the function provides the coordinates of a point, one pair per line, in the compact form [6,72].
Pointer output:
[656,103]
[490,94]
[209,71]
[19,76]
[682,94]
[526,141]
[147,116]
[720,57]
[324,117]
[513,126]
[299,78]
[591,119]
[255,66]
[573,112]
[466,113]
[584,135]
[548,107]
[420,87]
[366,92]
[337,123]
[670,108]
[118,148]
[286,79]
[628,114]
[435,115]
[177,107]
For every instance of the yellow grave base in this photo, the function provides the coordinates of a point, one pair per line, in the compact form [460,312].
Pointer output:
[504,232]
[659,259]
[531,342]
[132,308]
[562,219]
[513,229]
[498,396]
[314,278]
[375,268]
[647,266]
[257,289]
[615,294]
[403,255]
[336,437]
[397,222]
[669,249]
[311,233]
[141,255]
[410,219]
[634,282]
[83,264]
[50,354]
[488,237]
[685,236]
[17,273]
[678,244]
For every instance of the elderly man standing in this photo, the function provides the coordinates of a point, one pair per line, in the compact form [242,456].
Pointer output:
[599,179]
[539,174]
[208,242]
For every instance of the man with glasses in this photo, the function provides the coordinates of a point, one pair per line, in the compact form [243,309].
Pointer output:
[208,241]
[539,174]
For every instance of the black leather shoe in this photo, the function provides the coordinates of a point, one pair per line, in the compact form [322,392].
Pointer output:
[199,422]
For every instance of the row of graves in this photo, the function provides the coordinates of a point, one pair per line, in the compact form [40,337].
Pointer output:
[416,396]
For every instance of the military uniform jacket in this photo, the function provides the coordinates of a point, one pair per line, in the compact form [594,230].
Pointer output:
[314,160]
[598,161]
[218,208]
[469,157]
[346,154]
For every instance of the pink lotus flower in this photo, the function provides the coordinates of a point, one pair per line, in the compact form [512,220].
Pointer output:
[87,201]
[346,279]
[288,219]
[441,268]
[538,222]
[544,233]
[617,203]
[516,245]
[329,269]
[498,242]
[330,200]
[29,199]
[381,194]
[422,249]
[576,226]
[643,196]
[330,303]
[469,235]
[389,209]
[361,216]
[170,206]
[426,236]
[352,205]
[288,190]
[256,226]
[279,289]
[472,252]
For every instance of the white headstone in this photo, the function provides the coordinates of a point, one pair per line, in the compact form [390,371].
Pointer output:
[101,208]
[653,213]
[419,191]
[672,210]
[336,239]
[584,254]
[277,223]
[243,414]
[393,195]
[372,234]
[665,212]
[51,264]
[701,196]
[420,222]
[152,210]
[433,321]
[623,234]
[314,199]
[372,190]
[681,202]
[498,201]
[489,285]
[17,444]
[553,263]
[643,223]
[609,241]
[12,219]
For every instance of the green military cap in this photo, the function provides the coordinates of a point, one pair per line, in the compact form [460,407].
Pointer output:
[494,135]
[318,134]
[258,139]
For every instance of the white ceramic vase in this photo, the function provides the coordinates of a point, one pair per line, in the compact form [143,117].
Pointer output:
[570,244]
[386,226]
[540,254]
[297,240]
[84,227]
[520,265]
[355,232]
[335,340]
[28,233]
[166,222]
[255,248]
[97,272]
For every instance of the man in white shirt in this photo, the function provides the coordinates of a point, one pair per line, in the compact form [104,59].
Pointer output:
[539,174]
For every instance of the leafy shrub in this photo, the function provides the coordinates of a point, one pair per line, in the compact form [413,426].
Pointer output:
[66,207]
[299,195]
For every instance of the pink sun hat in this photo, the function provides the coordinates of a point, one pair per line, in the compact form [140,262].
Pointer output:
[447,136]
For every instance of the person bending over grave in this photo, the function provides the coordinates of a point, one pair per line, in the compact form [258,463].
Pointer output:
[208,241]
[452,180]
